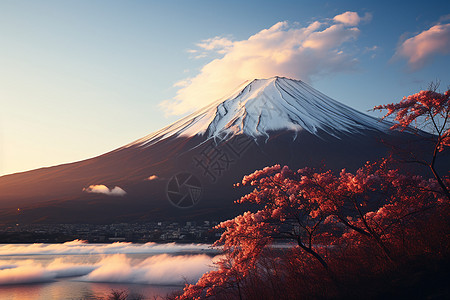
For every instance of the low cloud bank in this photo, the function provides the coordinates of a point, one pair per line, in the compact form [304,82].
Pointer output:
[81,247]
[162,269]
[25,272]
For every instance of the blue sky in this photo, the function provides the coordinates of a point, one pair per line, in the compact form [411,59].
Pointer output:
[81,78]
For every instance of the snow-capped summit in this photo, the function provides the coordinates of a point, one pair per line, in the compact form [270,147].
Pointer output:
[267,105]
[265,122]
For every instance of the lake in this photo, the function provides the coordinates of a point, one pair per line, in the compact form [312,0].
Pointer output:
[78,270]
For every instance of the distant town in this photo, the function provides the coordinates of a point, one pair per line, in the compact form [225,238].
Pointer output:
[186,232]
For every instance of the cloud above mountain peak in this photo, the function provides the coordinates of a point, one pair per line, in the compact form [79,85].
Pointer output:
[284,49]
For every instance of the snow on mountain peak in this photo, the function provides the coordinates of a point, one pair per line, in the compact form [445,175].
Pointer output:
[267,105]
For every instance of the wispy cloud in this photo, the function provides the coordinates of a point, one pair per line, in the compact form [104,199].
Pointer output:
[219,44]
[372,51]
[423,47]
[103,189]
[284,49]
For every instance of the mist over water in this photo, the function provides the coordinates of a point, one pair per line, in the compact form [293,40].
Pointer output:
[82,247]
[77,270]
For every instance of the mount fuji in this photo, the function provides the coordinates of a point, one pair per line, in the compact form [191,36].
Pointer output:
[268,105]
[186,170]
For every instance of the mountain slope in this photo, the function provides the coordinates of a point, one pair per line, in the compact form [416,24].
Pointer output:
[266,105]
[186,171]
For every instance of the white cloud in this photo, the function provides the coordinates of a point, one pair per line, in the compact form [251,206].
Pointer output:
[102,189]
[423,47]
[328,38]
[218,44]
[26,272]
[352,18]
[160,269]
[78,247]
[281,50]
[163,264]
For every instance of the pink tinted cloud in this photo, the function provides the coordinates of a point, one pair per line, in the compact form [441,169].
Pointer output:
[423,47]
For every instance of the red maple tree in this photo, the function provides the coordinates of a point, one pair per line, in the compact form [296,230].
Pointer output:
[374,216]
[428,110]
